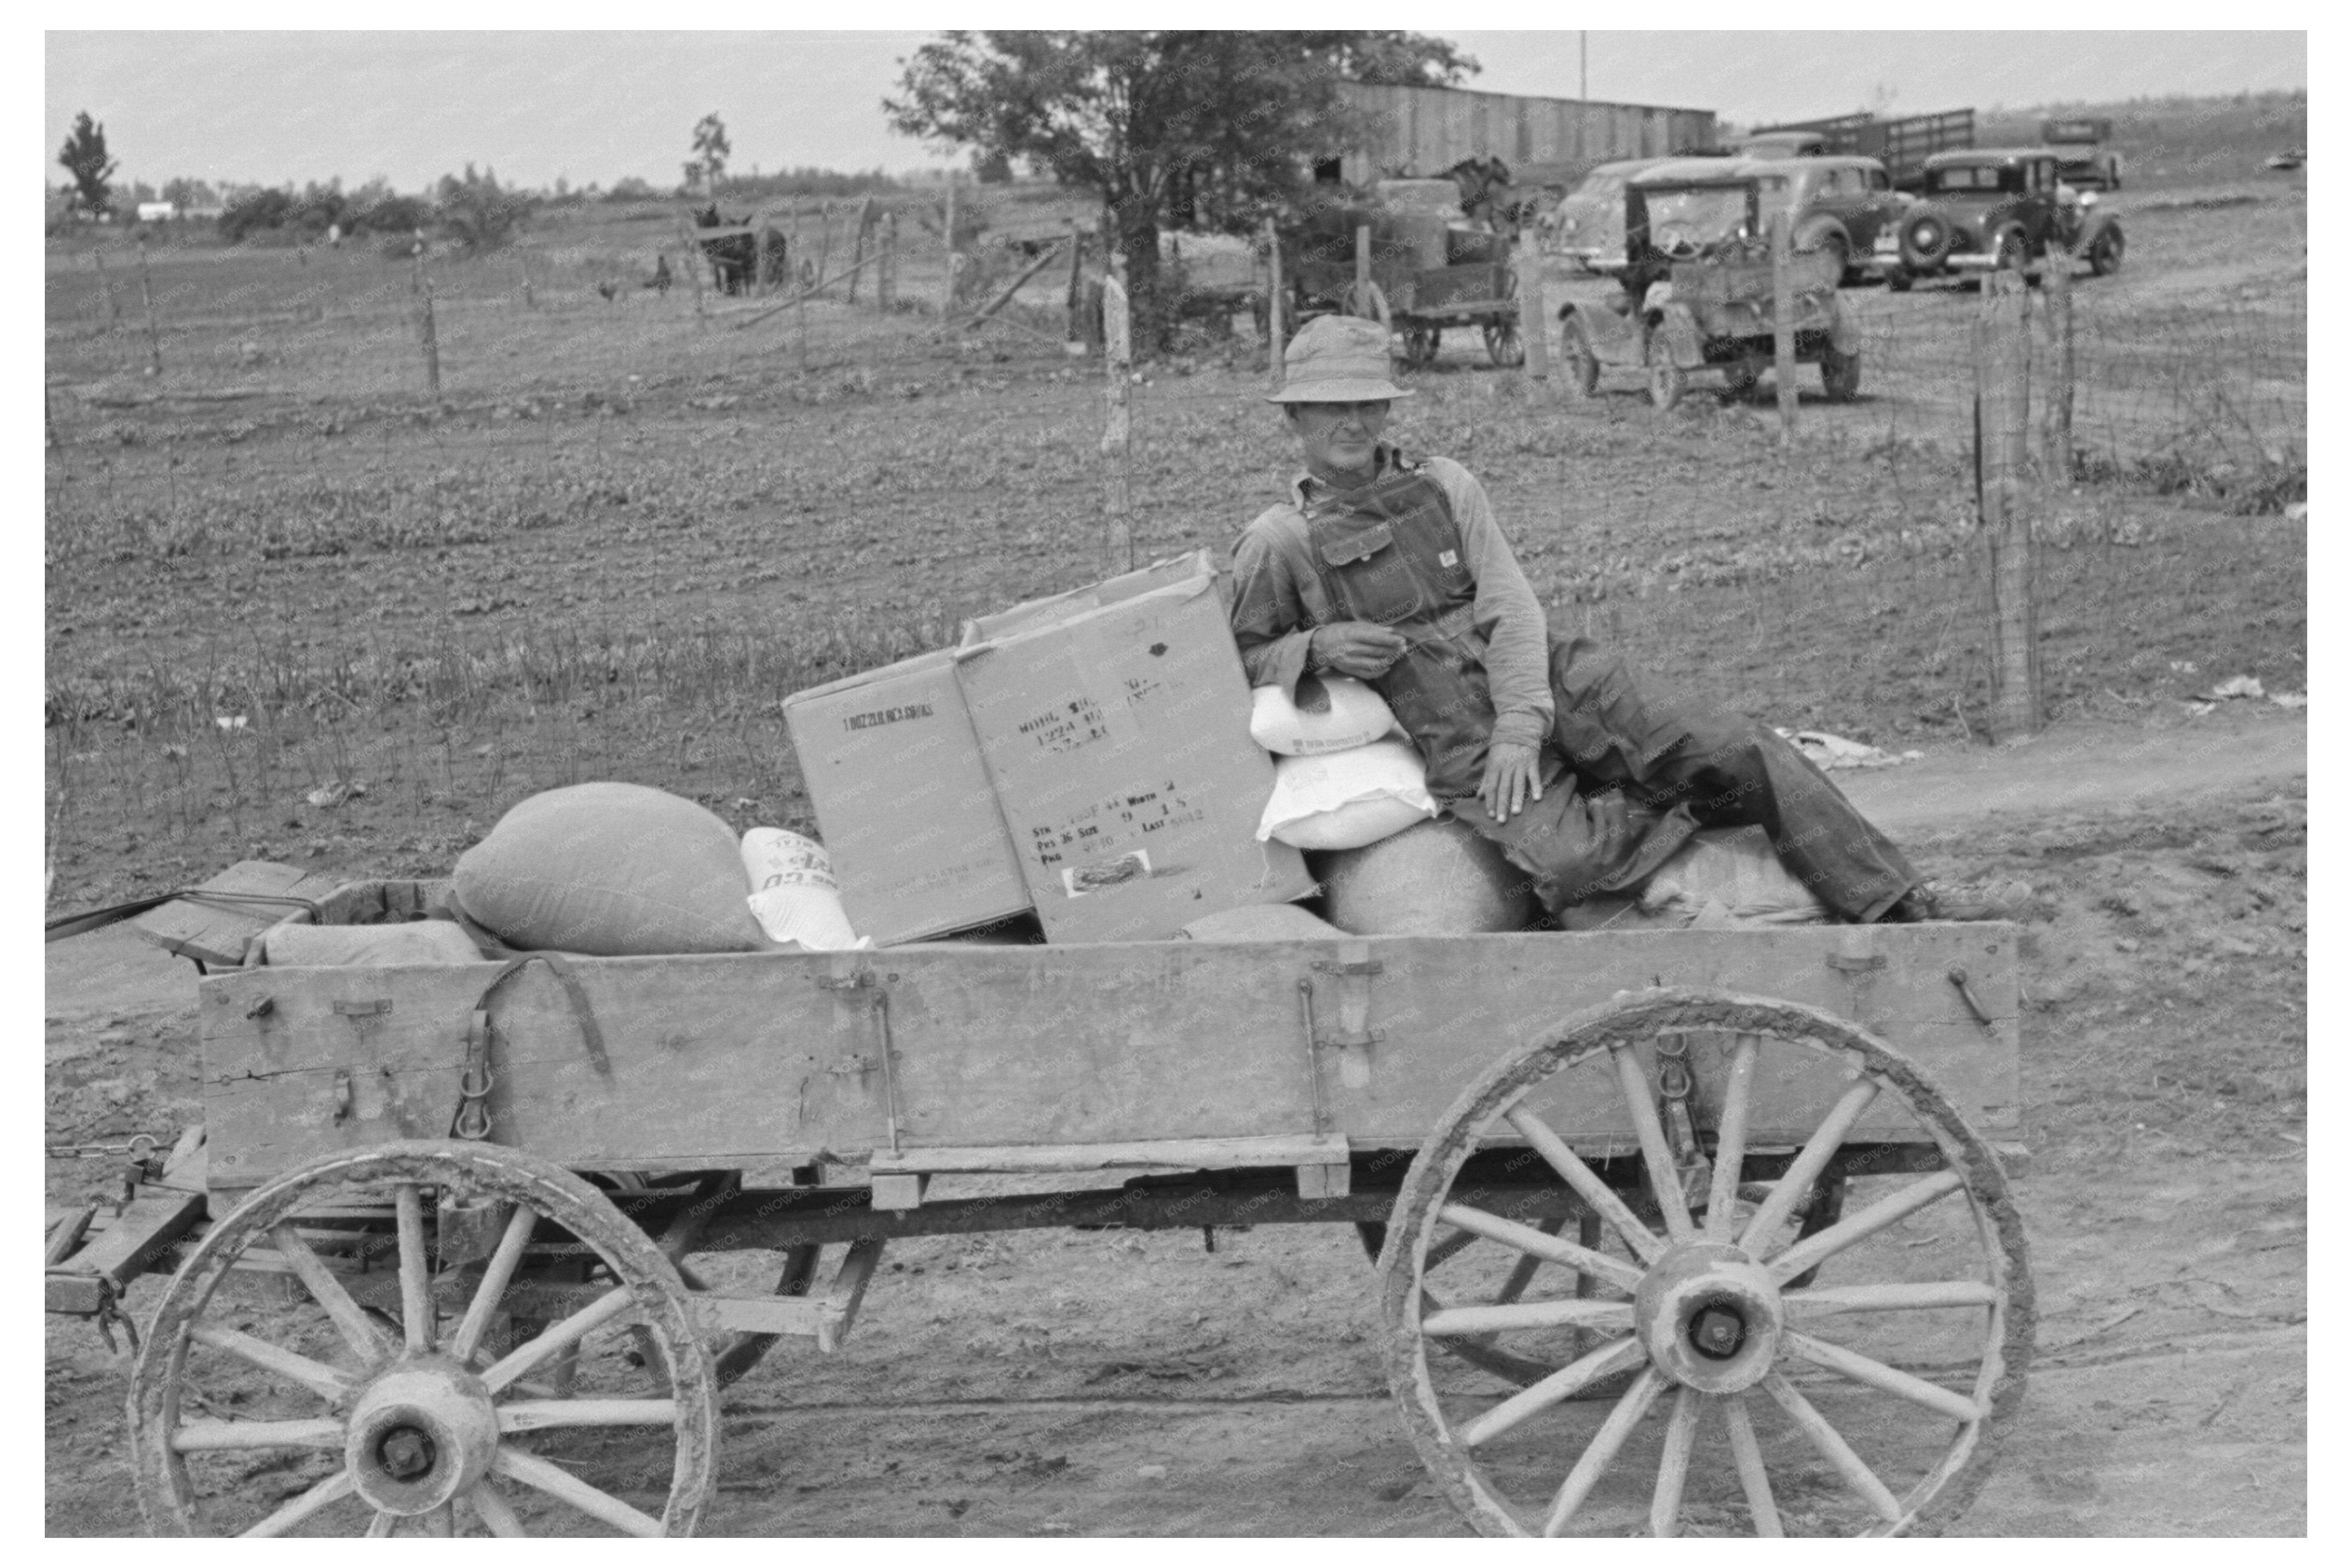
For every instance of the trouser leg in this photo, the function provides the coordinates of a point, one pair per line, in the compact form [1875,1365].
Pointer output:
[1731,771]
[1647,774]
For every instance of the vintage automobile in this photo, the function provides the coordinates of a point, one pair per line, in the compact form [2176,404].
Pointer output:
[1991,207]
[1588,226]
[2084,160]
[1698,291]
[1837,204]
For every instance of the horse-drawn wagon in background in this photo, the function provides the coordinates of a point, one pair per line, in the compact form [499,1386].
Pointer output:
[1430,264]
[1699,1230]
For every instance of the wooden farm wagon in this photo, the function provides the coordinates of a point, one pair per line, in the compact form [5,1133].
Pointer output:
[1696,1230]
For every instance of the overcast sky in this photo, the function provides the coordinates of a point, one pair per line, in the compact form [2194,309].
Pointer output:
[274,107]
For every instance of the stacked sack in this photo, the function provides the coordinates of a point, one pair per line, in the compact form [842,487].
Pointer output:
[609,870]
[1343,774]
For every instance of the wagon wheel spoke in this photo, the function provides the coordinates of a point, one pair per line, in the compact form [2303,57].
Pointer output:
[496,1276]
[498,1516]
[538,1415]
[358,1331]
[560,1337]
[416,1268]
[1826,1442]
[1877,1374]
[1596,1193]
[561,1484]
[1747,1459]
[1616,1356]
[1601,1452]
[1550,1248]
[1731,1140]
[1810,1161]
[332,1489]
[1615,1317]
[1674,1464]
[1804,1254]
[1825,1301]
[208,1437]
[1665,1177]
[442,1521]
[380,1526]
[291,1365]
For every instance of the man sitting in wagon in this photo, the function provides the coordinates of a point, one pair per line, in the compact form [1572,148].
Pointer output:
[1392,570]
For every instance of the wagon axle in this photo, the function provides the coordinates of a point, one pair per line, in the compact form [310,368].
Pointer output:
[1716,1331]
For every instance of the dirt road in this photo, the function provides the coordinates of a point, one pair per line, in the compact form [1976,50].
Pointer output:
[1105,1383]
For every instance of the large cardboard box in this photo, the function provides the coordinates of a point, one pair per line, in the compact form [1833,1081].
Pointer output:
[1119,743]
[904,802]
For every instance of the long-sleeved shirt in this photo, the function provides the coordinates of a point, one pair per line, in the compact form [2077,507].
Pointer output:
[1278,600]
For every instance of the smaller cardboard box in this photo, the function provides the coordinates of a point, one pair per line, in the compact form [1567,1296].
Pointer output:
[903,802]
[1119,743]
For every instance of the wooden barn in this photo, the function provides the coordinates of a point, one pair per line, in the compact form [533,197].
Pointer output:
[1424,131]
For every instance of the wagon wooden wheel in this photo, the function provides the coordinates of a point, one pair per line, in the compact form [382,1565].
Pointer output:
[1851,1383]
[336,1415]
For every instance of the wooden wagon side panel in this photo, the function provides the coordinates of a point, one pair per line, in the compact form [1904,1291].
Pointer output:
[703,1060]
[760,1058]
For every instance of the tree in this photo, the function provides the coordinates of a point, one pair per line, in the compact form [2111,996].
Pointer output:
[710,150]
[477,213]
[84,157]
[1213,128]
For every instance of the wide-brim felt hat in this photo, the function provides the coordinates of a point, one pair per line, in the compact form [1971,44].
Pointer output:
[1338,359]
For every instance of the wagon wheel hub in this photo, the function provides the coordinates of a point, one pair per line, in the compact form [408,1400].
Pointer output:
[420,1434]
[1709,1317]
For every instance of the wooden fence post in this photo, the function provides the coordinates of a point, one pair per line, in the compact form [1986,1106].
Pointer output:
[1363,269]
[1784,331]
[422,287]
[1274,304]
[886,274]
[824,240]
[106,295]
[1117,443]
[2058,388]
[522,265]
[2003,379]
[1075,297]
[1533,335]
[147,299]
[694,271]
[858,244]
[948,288]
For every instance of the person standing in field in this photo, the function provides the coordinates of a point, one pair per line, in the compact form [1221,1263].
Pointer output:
[1392,570]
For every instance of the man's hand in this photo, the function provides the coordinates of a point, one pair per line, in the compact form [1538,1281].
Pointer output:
[1511,779]
[1357,648]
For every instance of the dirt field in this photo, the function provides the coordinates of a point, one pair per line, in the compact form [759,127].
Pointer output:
[619,538]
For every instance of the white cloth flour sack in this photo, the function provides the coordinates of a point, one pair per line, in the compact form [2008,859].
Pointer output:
[795,895]
[1347,799]
[1333,713]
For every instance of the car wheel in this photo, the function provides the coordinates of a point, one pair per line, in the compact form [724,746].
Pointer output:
[1668,381]
[2108,253]
[1898,280]
[1840,375]
[1739,378]
[1927,241]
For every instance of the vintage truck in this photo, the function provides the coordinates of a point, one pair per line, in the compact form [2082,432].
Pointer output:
[2084,160]
[1698,292]
[1904,145]
[1996,207]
